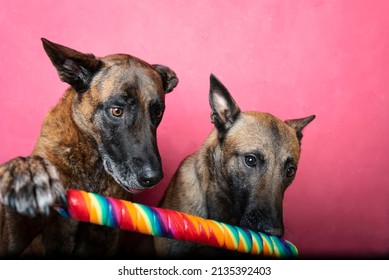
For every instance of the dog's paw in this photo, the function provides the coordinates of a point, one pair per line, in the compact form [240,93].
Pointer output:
[30,186]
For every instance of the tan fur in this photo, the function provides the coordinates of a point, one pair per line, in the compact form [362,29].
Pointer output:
[217,183]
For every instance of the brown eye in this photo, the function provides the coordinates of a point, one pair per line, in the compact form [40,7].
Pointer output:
[291,171]
[117,112]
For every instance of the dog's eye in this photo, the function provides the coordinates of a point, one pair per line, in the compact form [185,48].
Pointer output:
[117,111]
[250,161]
[158,114]
[291,171]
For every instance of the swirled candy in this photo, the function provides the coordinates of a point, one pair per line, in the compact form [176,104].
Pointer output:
[101,210]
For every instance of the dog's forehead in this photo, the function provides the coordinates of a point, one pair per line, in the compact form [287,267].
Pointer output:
[266,133]
[122,72]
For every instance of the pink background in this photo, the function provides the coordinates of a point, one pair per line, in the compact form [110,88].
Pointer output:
[290,58]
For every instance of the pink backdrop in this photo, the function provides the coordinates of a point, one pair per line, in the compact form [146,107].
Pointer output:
[290,58]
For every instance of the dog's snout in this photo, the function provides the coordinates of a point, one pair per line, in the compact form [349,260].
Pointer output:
[149,177]
[263,221]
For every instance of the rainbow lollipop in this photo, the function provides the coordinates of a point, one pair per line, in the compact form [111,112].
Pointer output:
[97,209]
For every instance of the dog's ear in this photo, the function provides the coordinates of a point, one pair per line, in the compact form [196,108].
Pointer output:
[168,76]
[299,124]
[224,108]
[73,67]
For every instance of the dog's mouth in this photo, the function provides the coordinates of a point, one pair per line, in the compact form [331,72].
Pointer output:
[131,186]
[257,221]
[132,189]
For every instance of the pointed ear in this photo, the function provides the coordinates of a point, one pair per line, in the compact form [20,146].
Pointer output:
[168,76]
[73,67]
[224,108]
[299,124]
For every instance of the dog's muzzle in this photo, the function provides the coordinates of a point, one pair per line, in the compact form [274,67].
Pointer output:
[256,220]
[133,181]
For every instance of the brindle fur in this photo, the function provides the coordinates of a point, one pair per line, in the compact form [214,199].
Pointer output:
[85,143]
[217,182]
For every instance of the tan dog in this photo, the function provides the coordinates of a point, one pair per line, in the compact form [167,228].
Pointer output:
[100,137]
[239,175]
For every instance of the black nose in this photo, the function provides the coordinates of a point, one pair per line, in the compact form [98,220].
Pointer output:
[149,177]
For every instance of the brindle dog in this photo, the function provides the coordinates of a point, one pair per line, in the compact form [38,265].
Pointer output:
[239,175]
[100,137]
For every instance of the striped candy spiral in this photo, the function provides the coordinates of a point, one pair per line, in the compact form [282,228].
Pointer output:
[101,210]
